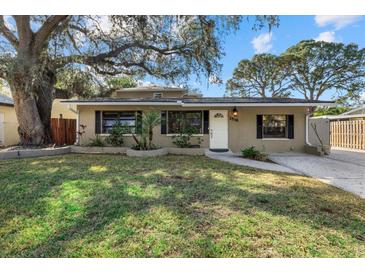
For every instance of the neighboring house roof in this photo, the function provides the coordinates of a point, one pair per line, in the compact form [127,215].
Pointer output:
[6,101]
[153,88]
[360,109]
[156,89]
[203,101]
[339,117]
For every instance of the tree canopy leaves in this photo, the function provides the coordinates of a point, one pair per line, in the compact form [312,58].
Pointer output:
[265,75]
[312,68]
[318,67]
[167,47]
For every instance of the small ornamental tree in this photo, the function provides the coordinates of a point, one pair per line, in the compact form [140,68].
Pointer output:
[150,120]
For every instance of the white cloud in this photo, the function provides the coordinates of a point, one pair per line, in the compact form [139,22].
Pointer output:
[327,36]
[262,43]
[338,21]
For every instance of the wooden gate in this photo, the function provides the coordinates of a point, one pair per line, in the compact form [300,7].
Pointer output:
[348,134]
[63,131]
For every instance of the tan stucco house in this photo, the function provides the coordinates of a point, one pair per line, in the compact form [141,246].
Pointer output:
[270,124]
[9,123]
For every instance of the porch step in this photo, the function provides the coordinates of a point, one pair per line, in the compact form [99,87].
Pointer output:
[219,150]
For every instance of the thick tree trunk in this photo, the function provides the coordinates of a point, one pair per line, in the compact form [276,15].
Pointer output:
[33,106]
[44,101]
[31,129]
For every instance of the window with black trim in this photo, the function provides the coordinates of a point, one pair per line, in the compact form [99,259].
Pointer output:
[125,118]
[157,95]
[178,120]
[274,126]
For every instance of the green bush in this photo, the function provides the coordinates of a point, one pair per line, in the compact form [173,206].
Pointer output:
[115,137]
[253,153]
[183,138]
[97,142]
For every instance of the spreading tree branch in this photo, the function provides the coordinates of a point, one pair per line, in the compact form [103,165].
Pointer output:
[24,32]
[7,33]
[48,27]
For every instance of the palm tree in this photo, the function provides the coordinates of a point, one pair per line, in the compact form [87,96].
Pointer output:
[150,120]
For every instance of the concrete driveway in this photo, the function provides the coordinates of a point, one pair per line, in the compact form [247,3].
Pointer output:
[343,169]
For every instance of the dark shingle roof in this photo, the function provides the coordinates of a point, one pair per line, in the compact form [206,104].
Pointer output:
[203,100]
[6,101]
[251,100]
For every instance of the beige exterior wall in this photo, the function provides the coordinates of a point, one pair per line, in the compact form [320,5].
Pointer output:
[58,108]
[241,134]
[87,118]
[11,136]
[323,130]
[10,126]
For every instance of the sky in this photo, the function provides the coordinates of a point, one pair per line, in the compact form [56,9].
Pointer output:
[246,42]
[292,29]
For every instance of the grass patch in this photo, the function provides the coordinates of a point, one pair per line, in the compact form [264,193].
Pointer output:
[171,206]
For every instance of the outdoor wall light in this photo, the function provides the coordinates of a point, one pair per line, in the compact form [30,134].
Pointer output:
[235,112]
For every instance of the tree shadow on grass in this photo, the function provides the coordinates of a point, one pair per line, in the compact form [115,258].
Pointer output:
[197,191]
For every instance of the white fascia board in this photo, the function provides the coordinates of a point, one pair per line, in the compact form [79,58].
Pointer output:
[123,103]
[179,103]
[258,105]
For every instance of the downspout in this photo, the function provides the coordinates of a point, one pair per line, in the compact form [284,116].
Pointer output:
[307,116]
[77,112]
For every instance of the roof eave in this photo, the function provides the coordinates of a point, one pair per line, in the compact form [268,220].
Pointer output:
[185,104]
[6,104]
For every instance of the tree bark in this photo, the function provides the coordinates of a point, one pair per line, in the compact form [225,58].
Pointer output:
[33,104]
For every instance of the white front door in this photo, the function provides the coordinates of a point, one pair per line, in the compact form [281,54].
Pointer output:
[218,129]
[2,126]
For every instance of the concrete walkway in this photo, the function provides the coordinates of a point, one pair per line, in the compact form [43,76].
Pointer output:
[342,169]
[233,158]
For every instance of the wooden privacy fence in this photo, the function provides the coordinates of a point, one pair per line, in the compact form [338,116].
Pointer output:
[63,131]
[348,134]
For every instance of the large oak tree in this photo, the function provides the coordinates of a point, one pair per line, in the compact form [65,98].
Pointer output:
[34,48]
[265,75]
[318,67]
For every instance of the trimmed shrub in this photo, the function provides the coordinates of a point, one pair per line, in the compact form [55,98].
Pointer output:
[97,142]
[253,153]
[115,137]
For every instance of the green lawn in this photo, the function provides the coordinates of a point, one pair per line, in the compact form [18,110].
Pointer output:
[171,206]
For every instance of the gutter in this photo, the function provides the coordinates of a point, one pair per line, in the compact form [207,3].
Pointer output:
[307,116]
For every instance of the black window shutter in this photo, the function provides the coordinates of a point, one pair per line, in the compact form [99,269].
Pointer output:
[290,119]
[139,122]
[206,122]
[97,122]
[259,126]
[163,122]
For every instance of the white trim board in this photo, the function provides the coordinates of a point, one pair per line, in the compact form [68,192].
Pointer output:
[197,104]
